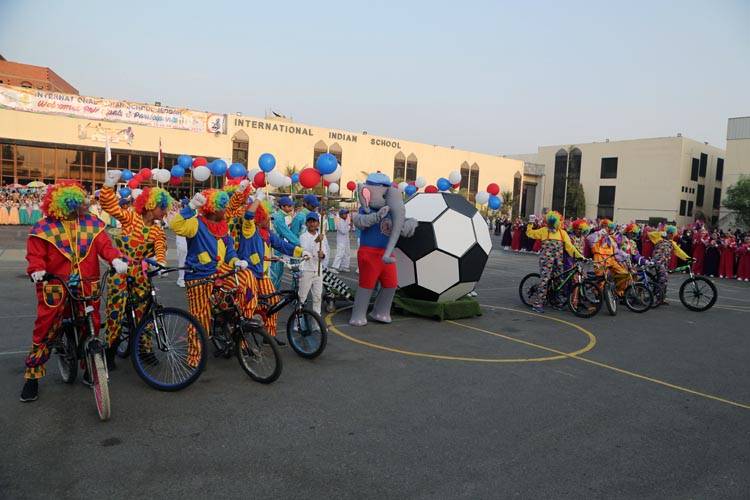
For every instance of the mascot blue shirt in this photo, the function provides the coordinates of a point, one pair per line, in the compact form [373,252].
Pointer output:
[376,236]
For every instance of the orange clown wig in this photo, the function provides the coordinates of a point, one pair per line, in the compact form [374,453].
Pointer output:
[151,198]
[216,201]
[63,199]
[632,228]
[581,225]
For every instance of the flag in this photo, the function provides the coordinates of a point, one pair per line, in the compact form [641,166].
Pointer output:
[107,153]
[160,159]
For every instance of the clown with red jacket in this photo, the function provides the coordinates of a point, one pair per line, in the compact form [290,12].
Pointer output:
[66,242]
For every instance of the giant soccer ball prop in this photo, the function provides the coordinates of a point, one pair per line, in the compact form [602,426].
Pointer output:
[446,256]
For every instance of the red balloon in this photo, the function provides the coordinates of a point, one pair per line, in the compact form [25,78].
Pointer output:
[351,185]
[175,181]
[430,189]
[233,181]
[200,162]
[259,180]
[326,183]
[145,174]
[134,182]
[493,188]
[309,178]
[457,185]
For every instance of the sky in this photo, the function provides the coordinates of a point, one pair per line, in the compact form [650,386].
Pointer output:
[495,77]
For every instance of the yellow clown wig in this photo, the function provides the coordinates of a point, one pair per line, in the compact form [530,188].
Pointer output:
[216,201]
[151,198]
[553,217]
[63,199]
[230,189]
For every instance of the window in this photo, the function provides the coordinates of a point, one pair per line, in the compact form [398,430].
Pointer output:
[336,151]
[703,165]
[465,173]
[574,167]
[690,209]
[558,187]
[606,207]
[719,169]
[609,168]
[319,149]
[701,194]
[26,85]
[399,166]
[411,168]
[683,189]
[240,148]
[683,206]
[473,181]
[694,170]
[717,197]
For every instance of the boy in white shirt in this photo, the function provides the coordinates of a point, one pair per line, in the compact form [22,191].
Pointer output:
[311,276]
[343,250]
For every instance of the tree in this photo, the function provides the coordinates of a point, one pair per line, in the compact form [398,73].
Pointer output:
[575,203]
[507,196]
[737,199]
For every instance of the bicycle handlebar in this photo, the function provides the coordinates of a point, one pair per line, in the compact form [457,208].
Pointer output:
[70,288]
[160,269]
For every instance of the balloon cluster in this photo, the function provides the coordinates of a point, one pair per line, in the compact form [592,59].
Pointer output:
[490,197]
[134,180]
[327,170]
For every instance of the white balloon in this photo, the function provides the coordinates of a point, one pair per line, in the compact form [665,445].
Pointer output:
[251,173]
[402,186]
[454,177]
[333,176]
[136,193]
[275,178]
[163,175]
[287,181]
[420,182]
[201,174]
[333,188]
[483,197]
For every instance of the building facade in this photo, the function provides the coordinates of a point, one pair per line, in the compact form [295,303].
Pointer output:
[737,161]
[671,179]
[33,77]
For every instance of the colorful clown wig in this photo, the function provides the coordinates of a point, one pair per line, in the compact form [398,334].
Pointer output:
[151,198]
[262,216]
[216,201]
[230,189]
[554,218]
[632,228]
[604,223]
[670,229]
[581,225]
[63,199]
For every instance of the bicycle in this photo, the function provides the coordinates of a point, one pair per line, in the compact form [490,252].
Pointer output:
[605,281]
[232,333]
[637,296]
[305,330]
[646,272]
[567,286]
[695,289]
[78,341]
[166,339]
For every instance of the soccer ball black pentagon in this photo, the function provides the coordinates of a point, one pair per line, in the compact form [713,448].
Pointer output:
[446,256]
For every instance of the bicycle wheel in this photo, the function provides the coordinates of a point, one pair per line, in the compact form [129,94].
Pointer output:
[638,298]
[306,333]
[100,383]
[610,299]
[585,299]
[528,288]
[67,360]
[698,294]
[169,350]
[258,354]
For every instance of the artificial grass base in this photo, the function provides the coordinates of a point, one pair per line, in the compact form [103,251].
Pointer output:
[465,307]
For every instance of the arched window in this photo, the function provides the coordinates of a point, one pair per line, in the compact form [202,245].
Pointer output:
[465,174]
[399,167]
[473,180]
[319,149]
[517,178]
[411,168]
[26,85]
[336,151]
[559,185]
[240,147]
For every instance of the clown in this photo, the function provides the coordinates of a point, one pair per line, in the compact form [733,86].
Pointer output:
[630,234]
[554,241]
[664,247]
[66,242]
[140,238]
[581,229]
[607,253]
[211,251]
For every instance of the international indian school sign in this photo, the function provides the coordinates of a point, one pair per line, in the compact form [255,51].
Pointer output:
[94,108]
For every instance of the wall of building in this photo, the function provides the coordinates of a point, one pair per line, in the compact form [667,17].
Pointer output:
[30,76]
[737,160]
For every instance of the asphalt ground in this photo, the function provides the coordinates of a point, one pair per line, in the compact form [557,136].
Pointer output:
[511,404]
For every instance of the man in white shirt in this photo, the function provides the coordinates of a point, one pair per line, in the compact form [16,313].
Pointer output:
[343,249]
[315,243]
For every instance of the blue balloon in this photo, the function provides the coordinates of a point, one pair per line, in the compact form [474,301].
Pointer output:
[266,162]
[295,178]
[177,171]
[124,192]
[185,161]
[218,167]
[326,164]
[410,190]
[237,170]
[443,184]
[494,202]
[126,175]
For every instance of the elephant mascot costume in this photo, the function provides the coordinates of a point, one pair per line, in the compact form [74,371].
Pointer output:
[381,220]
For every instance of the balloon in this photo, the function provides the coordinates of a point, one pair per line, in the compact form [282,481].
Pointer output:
[259,180]
[163,175]
[443,184]
[326,163]
[136,193]
[237,170]
[144,174]
[482,197]
[124,192]
[185,161]
[326,183]
[234,181]
[333,188]
[455,177]
[134,182]
[275,178]
[309,177]
[493,188]
[201,174]
[287,181]
[295,178]
[266,162]
[251,173]
[456,185]
[126,175]
[351,185]
[402,186]
[200,162]
[410,190]
[420,182]
[333,176]
[218,167]
[494,202]
[175,181]
[177,171]
[430,189]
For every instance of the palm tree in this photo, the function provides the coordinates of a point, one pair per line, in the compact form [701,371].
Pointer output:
[507,202]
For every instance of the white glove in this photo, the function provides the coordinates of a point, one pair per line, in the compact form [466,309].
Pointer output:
[241,264]
[306,255]
[198,201]
[37,276]
[110,180]
[244,184]
[260,194]
[121,267]
[383,212]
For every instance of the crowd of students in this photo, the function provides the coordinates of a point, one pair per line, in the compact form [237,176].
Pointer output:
[20,206]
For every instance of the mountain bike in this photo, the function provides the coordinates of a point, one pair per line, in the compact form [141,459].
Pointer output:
[233,333]
[167,344]
[637,296]
[566,287]
[604,279]
[78,342]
